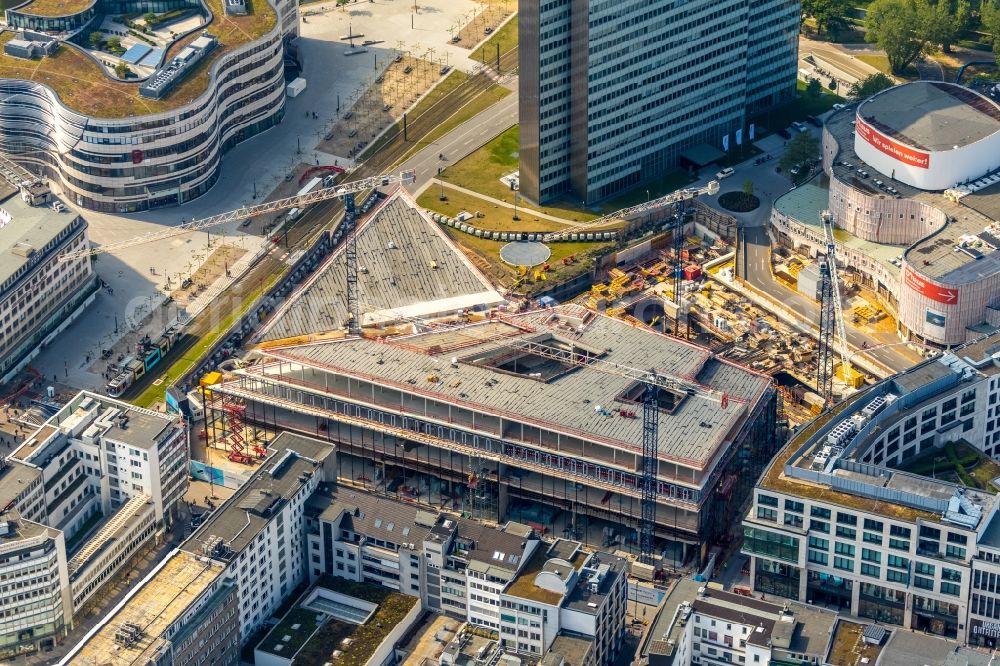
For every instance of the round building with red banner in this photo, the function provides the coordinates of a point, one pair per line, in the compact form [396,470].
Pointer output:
[913,185]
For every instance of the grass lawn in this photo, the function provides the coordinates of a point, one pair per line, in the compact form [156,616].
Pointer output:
[481,172]
[798,109]
[881,63]
[180,367]
[505,38]
[496,218]
[488,254]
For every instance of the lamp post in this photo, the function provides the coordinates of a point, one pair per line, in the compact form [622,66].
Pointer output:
[515,217]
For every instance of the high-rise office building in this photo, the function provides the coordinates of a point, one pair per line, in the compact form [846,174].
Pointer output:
[612,92]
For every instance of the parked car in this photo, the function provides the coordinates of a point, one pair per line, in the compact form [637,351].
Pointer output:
[799,127]
[839,106]
[814,121]
[725,173]
[784,134]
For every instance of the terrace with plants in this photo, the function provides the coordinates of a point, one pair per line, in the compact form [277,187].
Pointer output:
[82,85]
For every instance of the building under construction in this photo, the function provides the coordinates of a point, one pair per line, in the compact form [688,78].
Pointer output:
[536,417]
[533,416]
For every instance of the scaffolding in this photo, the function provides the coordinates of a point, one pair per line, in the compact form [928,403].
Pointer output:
[234,414]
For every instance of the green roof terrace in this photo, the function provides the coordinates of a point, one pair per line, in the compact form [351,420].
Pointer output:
[82,85]
[53,7]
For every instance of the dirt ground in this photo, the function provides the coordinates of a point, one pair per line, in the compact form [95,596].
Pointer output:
[493,13]
[382,102]
[214,267]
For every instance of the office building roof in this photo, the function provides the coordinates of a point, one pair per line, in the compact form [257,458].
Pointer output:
[572,648]
[544,560]
[407,267]
[799,629]
[909,648]
[291,461]
[582,398]
[930,115]
[597,578]
[495,548]
[372,515]
[14,479]
[25,230]
[159,603]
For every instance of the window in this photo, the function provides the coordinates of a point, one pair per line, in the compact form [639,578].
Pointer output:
[923,583]
[792,520]
[961,539]
[816,542]
[843,563]
[818,557]
[873,538]
[819,512]
[897,531]
[846,518]
[763,513]
[791,505]
[924,569]
[899,544]
[819,526]
[898,562]
[954,552]
[950,588]
[869,555]
[843,549]
[873,525]
[767,500]
[897,577]
[847,532]
[951,574]
[870,570]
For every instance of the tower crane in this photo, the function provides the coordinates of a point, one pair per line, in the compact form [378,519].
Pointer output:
[831,318]
[298,201]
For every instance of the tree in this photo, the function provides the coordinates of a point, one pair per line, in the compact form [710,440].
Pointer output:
[989,16]
[904,29]
[802,147]
[114,43]
[951,17]
[748,187]
[122,71]
[870,85]
[828,14]
[149,18]
[96,39]
[814,88]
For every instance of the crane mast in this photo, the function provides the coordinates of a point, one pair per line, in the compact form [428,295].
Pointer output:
[831,317]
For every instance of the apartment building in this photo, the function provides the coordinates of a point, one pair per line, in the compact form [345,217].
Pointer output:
[612,94]
[700,625]
[258,534]
[35,606]
[66,483]
[858,513]
[40,295]
[564,589]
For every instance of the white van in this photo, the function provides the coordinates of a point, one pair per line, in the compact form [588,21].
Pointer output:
[725,173]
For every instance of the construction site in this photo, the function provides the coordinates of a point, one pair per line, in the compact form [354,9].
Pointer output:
[444,394]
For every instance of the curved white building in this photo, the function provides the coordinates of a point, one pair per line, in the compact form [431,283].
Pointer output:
[114,148]
[929,134]
[932,260]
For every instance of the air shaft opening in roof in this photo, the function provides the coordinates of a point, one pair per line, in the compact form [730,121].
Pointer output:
[542,358]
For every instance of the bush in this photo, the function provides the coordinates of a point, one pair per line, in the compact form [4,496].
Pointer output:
[122,71]
[140,36]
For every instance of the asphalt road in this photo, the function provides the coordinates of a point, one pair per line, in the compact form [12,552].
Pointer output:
[756,270]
